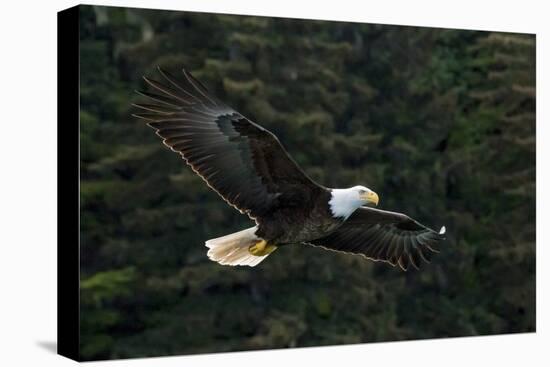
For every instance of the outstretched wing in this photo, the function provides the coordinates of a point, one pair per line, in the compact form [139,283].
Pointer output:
[384,236]
[240,160]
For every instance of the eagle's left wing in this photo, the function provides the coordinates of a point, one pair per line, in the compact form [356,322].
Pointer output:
[385,236]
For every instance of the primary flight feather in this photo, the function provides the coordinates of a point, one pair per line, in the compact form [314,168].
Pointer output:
[249,168]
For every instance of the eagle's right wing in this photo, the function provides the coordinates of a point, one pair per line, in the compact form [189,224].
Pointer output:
[384,236]
[240,160]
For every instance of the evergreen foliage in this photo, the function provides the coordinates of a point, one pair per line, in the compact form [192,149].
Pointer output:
[440,122]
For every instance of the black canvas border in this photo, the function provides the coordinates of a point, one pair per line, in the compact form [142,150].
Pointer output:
[68,183]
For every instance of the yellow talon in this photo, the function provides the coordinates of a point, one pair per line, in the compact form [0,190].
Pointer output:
[261,248]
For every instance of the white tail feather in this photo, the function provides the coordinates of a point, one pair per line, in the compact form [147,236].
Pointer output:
[233,248]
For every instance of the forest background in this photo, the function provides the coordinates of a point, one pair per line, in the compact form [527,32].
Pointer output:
[439,122]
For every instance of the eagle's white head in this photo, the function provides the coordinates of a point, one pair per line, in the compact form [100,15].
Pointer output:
[344,202]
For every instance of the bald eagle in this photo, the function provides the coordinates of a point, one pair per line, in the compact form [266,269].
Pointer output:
[249,168]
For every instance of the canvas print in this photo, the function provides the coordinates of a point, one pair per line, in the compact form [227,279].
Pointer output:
[253,183]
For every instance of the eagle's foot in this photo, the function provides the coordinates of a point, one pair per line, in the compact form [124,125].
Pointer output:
[261,248]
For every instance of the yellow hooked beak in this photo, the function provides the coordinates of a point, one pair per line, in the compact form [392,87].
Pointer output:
[370,197]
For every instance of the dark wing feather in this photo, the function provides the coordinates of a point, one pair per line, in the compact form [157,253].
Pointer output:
[384,236]
[243,162]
